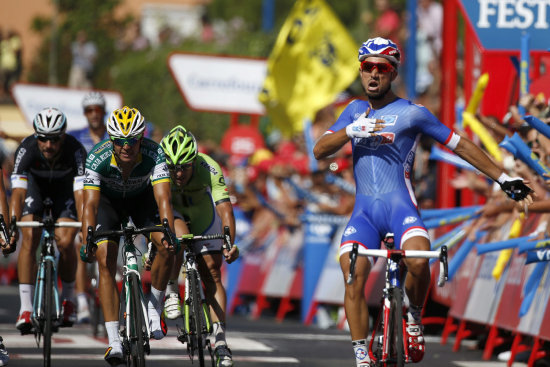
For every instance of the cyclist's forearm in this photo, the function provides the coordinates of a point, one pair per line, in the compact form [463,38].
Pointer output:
[79,198]
[163,197]
[16,203]
[471,153]
[330,143]
[89,210]
[225,211]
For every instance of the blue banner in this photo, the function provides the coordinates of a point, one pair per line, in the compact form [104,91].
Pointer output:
[500,24]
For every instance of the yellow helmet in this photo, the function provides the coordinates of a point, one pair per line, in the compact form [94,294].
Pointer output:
[125,122]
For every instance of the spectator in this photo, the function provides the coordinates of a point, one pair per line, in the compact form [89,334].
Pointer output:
[10,60]
[429,43]
[84,55]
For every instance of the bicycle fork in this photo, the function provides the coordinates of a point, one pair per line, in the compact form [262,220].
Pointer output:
[132,267]
[38,313]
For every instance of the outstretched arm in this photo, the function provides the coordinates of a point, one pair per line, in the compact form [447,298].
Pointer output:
[514,187]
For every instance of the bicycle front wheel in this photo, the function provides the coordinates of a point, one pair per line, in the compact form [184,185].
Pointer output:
[397,351]
[48,311]
[196,306]
[137,323]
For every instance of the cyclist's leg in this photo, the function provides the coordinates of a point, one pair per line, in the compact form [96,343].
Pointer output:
[107,253]
[359,230]
[64,209]
[411,234]
[26,272]
[209,264]
[67,270]
[172,307]
[144,212]
[82,282]
[33,209]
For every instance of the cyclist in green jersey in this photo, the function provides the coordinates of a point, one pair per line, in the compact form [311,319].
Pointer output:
[126,175]
[199,195]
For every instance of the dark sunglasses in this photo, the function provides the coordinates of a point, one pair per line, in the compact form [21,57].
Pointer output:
[180,167]
[382,67]
[52,138]
[123,141]
[94,109]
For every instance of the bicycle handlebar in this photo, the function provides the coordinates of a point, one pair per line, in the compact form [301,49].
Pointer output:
[225,236]
[37,224]
[397,255]
[87,250]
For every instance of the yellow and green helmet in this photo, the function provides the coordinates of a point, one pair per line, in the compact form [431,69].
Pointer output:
[180,146]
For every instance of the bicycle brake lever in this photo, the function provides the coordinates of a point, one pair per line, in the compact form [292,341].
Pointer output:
[226,238]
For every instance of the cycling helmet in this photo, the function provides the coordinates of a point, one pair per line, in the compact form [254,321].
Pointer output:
[125,122]
[380,47]
[93,99]
[180,146]
[50,121]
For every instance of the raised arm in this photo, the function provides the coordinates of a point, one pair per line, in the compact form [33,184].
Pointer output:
[514,187]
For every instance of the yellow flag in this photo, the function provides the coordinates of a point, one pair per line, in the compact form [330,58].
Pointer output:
[313,60]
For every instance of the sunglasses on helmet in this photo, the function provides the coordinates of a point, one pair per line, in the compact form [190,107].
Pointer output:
[382,67]
[120,142]
[45,138]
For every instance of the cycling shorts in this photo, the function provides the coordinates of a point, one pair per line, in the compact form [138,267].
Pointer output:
[63,201]
[375,216]
[113,212]
[206,247]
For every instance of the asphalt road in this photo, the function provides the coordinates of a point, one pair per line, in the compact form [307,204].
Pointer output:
[260,342]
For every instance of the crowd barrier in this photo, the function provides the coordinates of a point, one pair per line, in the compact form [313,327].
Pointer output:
[499,280]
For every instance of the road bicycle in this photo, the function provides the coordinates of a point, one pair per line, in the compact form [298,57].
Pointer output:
[46,312]
[134,320]
[389,345]
[197,324]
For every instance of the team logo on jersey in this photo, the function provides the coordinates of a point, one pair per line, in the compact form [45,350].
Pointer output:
[349,231]
[374,142]
[390,119]
[410,220]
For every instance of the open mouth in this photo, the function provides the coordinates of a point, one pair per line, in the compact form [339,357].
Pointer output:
[373,84]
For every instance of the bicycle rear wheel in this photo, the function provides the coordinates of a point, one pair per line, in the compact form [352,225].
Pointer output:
[48,312]
[397,351]
[137,323]
[197,311]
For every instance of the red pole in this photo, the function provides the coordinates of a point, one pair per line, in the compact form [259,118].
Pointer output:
[445,193]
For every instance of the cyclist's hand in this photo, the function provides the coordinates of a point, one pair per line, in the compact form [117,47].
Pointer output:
[515,188]
[364,127]
[11,245]
[232,254]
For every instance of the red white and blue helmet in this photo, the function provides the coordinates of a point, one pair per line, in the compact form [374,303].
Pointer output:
[380,47]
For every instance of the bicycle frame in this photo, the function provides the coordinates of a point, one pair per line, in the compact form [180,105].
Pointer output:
[46,289]
[195,305]
[131,270]
[135,330]
[392,302]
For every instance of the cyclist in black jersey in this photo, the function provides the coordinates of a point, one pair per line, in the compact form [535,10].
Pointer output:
[48,163]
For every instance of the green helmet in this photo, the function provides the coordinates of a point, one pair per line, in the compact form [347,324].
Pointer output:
[180,146]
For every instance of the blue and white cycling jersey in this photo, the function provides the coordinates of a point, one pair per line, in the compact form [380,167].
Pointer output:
[84,137]
[383,163]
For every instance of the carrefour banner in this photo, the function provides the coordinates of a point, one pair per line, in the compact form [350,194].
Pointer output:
[499,24]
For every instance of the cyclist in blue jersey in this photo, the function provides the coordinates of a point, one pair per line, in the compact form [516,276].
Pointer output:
[384,132]
[93,106]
